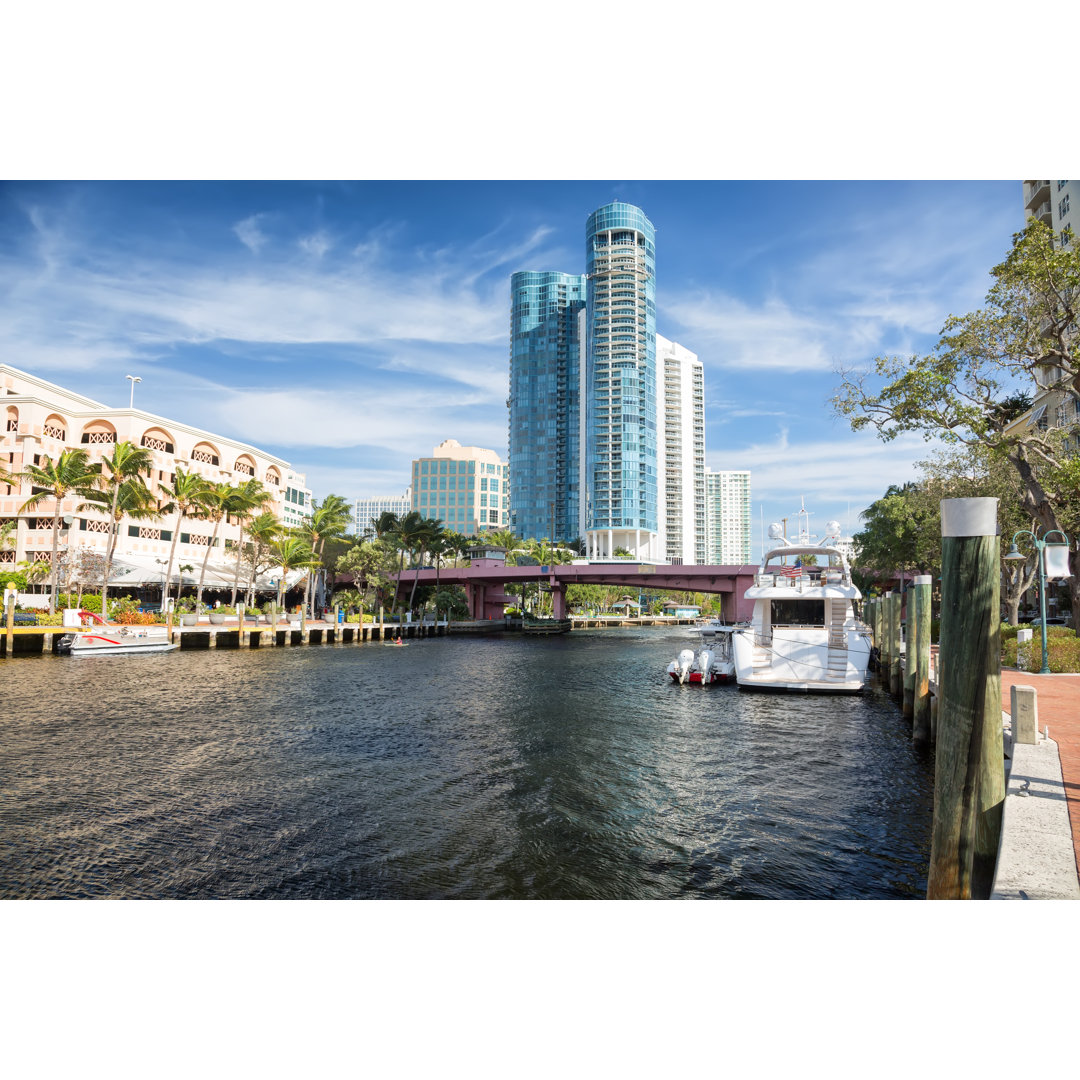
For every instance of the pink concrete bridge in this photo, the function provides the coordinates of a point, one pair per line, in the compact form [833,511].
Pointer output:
[487,577]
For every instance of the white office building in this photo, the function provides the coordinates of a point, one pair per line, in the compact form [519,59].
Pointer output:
[369,510]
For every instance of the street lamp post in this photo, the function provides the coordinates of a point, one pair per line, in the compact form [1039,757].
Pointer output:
[134,379]
[1057,553]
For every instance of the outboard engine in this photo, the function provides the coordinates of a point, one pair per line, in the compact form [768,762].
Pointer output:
[686,660]
[705,659]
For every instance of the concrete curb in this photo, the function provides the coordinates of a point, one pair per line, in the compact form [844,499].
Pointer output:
[1036,860]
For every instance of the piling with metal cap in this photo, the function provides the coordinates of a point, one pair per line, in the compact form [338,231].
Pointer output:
[969,781]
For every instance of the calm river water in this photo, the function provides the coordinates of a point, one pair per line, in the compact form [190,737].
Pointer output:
[456,768]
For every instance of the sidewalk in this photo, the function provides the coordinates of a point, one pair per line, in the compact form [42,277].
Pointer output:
[1058,702]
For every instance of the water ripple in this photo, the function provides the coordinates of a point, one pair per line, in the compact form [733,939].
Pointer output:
[460,768]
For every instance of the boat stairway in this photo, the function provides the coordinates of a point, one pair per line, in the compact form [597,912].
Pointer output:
[838,659]
[762,657]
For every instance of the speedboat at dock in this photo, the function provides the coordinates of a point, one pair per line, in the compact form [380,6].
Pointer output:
[711,662]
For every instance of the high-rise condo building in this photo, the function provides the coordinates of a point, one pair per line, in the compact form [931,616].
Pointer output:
[464,487]
[368,511]
[681,442]
[607,420]
[727,517]
[546,421]
[1051,202]
[620,410]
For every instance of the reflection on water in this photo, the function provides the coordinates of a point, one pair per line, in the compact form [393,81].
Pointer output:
[456,768]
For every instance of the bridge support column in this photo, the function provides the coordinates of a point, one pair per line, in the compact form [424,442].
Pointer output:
[558,601]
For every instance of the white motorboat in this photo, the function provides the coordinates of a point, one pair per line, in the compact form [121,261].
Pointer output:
[105,640]
[804,634]
[711,662]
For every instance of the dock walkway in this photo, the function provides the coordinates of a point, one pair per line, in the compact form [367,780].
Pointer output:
[1058,703]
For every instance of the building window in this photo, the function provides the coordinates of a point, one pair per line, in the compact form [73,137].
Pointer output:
[1063,207]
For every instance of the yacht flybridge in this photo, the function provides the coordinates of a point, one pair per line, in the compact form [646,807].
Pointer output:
[804,634]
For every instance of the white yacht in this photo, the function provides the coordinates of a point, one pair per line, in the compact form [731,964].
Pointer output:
[804,634]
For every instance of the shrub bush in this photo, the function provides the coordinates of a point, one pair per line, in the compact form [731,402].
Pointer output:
[1062,646]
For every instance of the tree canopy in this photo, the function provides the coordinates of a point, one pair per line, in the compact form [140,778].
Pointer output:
[976,383]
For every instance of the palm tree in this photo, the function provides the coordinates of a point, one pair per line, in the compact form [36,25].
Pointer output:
[250,497]
[427,537]
[327,522]
[72,473]
[130,499]
[218,502]
[384,525]
[122,492]
[291,553]
[262,532]
[408,532]
[185,495]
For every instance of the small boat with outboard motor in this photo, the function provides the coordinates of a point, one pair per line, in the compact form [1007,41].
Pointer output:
[105,640]
[711,662]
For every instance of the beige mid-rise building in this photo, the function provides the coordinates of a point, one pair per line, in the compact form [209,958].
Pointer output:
[41,419]
[464,487]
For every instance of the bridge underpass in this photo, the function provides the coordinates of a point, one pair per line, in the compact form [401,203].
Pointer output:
[485,581]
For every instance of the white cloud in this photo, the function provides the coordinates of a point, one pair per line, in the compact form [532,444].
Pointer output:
[251,236]
[729,333]
[317,244]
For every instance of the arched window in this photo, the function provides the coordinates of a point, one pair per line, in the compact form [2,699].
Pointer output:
[12,419]
[273,476]
[98,433]
[55,427]
[158,439]
[206,453]
[244,465]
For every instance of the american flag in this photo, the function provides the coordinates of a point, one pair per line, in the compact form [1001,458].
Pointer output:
[792,571]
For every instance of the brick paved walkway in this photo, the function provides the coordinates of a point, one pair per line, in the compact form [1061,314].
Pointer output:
[1059,708]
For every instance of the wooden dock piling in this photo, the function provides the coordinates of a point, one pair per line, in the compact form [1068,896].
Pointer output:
[969,782]
[920,719]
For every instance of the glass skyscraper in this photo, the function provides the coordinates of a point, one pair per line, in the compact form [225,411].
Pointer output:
[620,252]
[545,404]
[583,404]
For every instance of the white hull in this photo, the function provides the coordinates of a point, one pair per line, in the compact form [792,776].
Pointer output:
[109,642]
[804,636]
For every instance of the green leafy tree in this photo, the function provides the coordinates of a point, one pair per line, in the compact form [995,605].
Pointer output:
[71,474]
[971,388]
[371,563]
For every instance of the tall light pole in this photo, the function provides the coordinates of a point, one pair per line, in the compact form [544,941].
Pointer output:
[134,379]
[1058,555]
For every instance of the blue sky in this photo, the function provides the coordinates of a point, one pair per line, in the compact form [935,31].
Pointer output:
[349,327]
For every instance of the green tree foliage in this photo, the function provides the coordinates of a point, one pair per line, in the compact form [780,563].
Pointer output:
[972,387]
